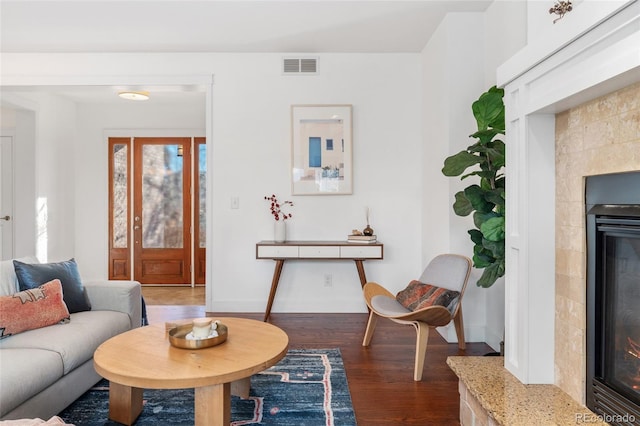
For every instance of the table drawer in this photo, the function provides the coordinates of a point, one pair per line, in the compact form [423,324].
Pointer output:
[271,252]
[361,252]
[319,252]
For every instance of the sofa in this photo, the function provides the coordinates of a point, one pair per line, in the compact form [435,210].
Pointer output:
[44,369]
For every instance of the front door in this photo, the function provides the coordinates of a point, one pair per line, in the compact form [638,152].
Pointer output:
[156,231]
[162,210]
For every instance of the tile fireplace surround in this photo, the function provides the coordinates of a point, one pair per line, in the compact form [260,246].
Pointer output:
[570,114]
[599,137]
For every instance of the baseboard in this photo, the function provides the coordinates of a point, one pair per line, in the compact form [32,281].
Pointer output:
[472,334]
[340,307]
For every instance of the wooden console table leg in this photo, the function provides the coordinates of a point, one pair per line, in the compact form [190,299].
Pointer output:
[274,287]
[361,274]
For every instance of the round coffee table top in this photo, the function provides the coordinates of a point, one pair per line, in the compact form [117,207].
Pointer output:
[144,358]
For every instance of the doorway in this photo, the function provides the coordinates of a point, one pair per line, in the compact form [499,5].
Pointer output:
[156,220]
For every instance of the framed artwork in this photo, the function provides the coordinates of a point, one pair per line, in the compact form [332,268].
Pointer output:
[321,150]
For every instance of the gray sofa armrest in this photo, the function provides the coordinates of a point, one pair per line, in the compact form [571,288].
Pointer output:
[121,296]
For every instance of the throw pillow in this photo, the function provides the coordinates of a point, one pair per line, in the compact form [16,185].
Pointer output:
[34,275]
[419,295]
[31,309]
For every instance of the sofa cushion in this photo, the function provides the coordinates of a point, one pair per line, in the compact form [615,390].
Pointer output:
[419,295]
[26,372]
[8,278]
[34,275]
[31,309]
[76,341]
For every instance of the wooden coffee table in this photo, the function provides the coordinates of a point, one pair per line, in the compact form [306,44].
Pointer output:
[143,358]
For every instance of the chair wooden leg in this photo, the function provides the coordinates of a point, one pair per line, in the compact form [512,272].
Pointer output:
[371,326]
[422,331]
[459,324]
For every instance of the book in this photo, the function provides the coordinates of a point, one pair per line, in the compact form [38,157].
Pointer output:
[362,241]
[362,237]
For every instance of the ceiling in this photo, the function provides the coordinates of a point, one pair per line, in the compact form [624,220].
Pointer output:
[223,26]
[290,26]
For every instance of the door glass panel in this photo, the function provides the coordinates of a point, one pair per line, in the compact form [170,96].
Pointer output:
[120,195]
[162,201]
[202,195]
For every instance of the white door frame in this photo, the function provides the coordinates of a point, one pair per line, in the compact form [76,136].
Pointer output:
[6,197]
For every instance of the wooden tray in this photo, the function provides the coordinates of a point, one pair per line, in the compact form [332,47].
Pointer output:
[177,337]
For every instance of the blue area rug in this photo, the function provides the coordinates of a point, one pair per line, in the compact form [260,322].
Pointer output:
[307,387]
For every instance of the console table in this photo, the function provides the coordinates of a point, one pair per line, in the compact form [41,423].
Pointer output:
[315,250]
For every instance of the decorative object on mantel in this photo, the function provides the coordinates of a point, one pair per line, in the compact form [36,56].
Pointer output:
[487,200]
[280,228]
[561,8]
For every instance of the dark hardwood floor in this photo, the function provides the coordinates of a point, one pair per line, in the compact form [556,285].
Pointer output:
[380,376]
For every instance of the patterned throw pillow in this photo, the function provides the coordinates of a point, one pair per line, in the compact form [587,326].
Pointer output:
[419,295]
[31,309]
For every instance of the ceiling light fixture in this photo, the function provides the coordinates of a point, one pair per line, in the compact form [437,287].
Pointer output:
[134,96]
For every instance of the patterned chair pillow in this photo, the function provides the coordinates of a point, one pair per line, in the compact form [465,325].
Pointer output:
[419,295]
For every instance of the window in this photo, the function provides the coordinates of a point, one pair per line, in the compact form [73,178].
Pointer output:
[329,144]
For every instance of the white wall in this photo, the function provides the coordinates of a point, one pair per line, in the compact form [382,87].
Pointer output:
[250,153]
[459,63]
[505,34]
[452,80]
[252,156]
[55,183]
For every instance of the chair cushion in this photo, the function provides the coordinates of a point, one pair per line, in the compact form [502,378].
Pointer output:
[418,295]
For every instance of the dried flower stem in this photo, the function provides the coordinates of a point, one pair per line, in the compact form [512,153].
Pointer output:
[276,208]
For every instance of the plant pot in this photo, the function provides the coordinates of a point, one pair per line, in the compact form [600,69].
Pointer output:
[280,231]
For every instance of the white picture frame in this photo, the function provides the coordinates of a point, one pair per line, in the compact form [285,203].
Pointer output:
[321,150]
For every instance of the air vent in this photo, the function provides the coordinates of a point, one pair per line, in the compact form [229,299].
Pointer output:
[300,65]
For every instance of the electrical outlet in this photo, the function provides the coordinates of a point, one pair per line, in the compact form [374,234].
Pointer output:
[328,280]
[235,202]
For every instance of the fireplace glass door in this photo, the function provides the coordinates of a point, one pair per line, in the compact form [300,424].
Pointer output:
[620,315]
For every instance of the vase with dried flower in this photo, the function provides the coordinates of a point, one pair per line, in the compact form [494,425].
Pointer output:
[368,230]
[280,228]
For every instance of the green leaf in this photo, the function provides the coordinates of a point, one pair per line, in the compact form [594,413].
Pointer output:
[495,247]
[488,109]
[486,135]
[476,236]
[493,229]
[476,197]
[480,218]
[491,274]
[495,196]
[458,163]
[462,206]
[482,258]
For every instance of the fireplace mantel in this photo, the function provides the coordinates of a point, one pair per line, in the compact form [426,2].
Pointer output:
[600,60]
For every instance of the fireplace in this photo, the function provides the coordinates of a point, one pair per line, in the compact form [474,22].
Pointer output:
[613,296]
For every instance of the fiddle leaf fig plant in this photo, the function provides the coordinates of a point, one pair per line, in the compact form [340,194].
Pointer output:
[485,160]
